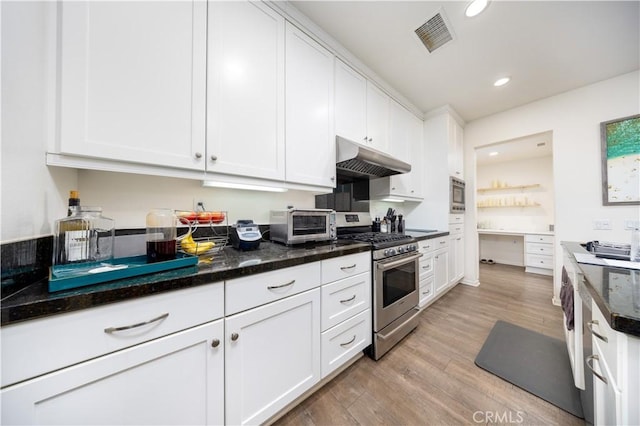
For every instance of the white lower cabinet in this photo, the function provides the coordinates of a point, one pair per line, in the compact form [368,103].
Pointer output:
[426,291]
[441,271]
[174,380]
[456,252]
[345,340]
[538,254]
[272,356]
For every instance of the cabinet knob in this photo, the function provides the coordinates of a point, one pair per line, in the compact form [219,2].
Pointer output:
[234,336]
[370,139]
[198,155]
[333,178]
[214,158]
[215,343]
[365,138]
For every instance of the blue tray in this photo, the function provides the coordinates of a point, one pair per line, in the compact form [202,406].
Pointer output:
[65,277]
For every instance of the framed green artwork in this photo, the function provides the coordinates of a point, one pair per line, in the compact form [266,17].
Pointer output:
[621,161]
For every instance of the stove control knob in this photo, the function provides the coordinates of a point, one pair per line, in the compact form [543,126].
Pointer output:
[400,249]
[411,247]
[389,252]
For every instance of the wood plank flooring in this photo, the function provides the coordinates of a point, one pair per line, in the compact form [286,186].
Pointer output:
[430,377]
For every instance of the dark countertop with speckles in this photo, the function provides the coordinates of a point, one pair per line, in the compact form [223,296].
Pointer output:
[616,291]
[34,300]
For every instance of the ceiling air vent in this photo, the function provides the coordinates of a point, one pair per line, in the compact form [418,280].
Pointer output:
[434,33]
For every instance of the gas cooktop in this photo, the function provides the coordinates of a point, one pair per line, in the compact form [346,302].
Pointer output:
[378,239]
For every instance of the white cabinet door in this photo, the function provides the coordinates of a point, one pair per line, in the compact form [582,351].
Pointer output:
[310,139]
[440,270]
[456,258]
[245,90]
[456,153]
[272,357]
[133,80]
[350,103]
[177,379]
[378,104]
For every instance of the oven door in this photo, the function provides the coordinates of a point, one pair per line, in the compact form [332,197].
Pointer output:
[395,292]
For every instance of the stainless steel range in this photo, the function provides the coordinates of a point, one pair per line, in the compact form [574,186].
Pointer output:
[394,277]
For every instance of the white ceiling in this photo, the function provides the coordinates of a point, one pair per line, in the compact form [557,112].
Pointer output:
[547,47]
[532,146]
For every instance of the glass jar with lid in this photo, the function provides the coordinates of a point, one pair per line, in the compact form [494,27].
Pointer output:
[161,235]
[84,236]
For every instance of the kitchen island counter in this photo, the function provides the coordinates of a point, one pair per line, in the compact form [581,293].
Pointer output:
[34,300]
[616,291]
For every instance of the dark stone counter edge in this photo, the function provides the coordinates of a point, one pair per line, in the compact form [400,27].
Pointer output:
[616,321]
[117,291]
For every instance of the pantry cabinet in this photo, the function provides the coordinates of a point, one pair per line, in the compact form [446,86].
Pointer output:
[310,139]
[132,82]
[246,77]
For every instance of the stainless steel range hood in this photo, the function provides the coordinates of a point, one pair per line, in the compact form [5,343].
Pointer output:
[360,161]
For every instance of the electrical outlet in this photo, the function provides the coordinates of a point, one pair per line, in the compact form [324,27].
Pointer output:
[602,224]
[631,224]
[198,204]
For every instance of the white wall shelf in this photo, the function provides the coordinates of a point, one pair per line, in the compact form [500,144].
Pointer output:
[505,188]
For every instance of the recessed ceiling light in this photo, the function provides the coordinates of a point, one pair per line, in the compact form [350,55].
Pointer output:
[475,7]
[493,153]
[502,81]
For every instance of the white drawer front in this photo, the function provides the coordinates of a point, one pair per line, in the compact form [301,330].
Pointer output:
[539,261]
[608,348]
[426,265]
[255,290]
[534,238]
[540,248]
[38,346]
[432,244]
[345,340]
[456,218]
[426,290]
[345,298]
[341,267]
[456,229]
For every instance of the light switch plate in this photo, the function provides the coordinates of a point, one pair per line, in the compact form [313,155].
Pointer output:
[602,224]
[631,224]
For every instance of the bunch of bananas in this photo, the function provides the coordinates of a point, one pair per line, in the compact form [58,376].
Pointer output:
[193,247]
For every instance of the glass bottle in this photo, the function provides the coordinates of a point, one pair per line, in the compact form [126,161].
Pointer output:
[85,236]
[74,201]
[161,235]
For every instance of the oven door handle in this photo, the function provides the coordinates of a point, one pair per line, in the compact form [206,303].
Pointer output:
[393,264]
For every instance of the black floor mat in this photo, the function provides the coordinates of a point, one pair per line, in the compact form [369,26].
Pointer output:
[532,361]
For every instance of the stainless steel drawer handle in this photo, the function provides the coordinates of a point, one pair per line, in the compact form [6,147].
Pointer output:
[273,287]
[349,299]
[590,324]
[349,342]
[599,376]
[348,267]
[426,267]
[140,324]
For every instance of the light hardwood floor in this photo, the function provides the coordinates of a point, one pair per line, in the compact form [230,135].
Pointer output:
[430,377]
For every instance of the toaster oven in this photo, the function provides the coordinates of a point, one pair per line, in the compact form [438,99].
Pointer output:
[297,226]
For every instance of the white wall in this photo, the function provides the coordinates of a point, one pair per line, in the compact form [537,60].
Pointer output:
[513,173]
[574,118]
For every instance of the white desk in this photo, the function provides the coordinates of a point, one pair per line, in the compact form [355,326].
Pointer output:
[532,249]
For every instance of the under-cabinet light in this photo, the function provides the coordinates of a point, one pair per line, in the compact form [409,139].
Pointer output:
[393,200]
[493,153]
[245,186]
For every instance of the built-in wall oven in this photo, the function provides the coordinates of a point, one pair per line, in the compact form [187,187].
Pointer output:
[456,195]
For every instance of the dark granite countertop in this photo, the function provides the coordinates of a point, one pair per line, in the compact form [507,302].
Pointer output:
[34,301]
[616,291]
[425,234]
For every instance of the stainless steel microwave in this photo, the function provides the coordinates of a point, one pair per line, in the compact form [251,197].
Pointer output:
[296,226]
[456,195]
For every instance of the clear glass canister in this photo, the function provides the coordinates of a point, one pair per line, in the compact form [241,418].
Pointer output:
[161,235]
[85,236]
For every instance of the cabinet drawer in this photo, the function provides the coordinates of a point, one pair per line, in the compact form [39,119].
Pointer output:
[540,261]
[345,298]
[534,238]
[426,246]
[456,218]
[426,265]
[456,229]
[42,345]
[255,290]
[345,340]
[540,248]
[601,327]
[426,290]
[341,267]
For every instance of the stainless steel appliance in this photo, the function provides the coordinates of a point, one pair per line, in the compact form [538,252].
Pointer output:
[360,161]
[297,226]
[394,279]
[456,195]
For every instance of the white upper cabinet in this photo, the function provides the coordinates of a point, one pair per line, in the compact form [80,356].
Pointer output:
[456,150]
[350,103]
[310,138]
[245,90]
[132,81]
[378,105]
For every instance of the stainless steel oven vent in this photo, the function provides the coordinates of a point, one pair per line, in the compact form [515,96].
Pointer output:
[356,160]
[435,32]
